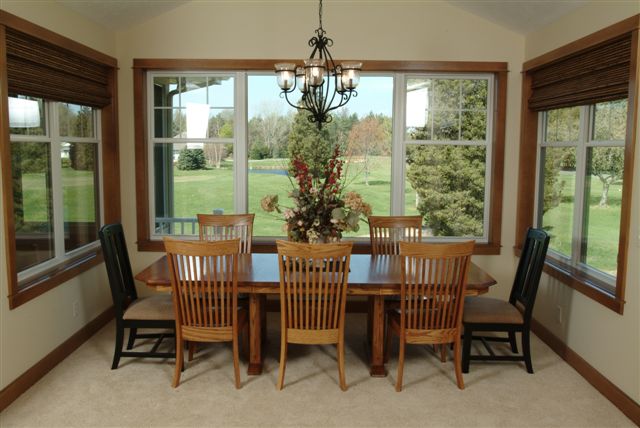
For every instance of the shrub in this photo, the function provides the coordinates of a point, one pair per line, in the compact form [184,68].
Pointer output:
[191,159]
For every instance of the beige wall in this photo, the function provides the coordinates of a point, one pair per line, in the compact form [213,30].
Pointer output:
[606,340]
[31,331]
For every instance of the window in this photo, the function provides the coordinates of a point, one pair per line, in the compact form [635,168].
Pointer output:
[578,118]
[581,173]
[448,153]
[56,187]
[396,136]
[58,156]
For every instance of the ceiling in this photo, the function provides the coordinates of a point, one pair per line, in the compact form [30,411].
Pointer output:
[521,16]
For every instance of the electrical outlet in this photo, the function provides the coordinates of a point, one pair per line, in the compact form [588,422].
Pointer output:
[75,308]
[559,314]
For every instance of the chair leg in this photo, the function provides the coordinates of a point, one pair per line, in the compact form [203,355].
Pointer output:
[343,382]
[283,359]
[118,346]
[457,362]
[400,364]
[236,361]
[512,341]
[192,349]
[387,346]
[132,337]
[526,350]
[179,359]
[466,349]
[443,353]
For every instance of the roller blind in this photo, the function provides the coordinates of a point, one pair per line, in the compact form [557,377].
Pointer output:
[599,73]
[40,69]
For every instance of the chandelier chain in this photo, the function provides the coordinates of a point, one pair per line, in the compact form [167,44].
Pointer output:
[320,14]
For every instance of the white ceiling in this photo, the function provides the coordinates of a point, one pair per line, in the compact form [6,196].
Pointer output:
[120,14]
[521,16]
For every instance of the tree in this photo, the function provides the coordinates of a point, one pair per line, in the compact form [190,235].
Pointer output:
[607,163]
[271,129]
[313,144]
[449,181]
[191,159]
[367,137]
[220,125]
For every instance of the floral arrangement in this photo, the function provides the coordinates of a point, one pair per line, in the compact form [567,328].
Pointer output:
[321,213]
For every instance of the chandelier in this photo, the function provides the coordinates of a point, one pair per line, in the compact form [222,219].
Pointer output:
[324,85]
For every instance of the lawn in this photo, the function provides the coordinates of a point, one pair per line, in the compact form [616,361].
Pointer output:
[603,226]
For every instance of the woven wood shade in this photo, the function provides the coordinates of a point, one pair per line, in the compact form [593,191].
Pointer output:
[40,69]
[598,74]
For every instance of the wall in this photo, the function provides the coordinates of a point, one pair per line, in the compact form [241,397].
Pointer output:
[31,331]
[606,340]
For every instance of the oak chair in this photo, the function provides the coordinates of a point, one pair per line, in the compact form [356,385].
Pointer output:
[484,314]
[217,227]
[434,281]
[313,291]
[133,312]
[205,296]
[386,232]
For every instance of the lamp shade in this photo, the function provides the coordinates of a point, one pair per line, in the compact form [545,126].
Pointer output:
[23,113]
[351,74]
[285,73]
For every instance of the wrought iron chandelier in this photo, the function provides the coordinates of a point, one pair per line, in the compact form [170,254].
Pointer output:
[324,85]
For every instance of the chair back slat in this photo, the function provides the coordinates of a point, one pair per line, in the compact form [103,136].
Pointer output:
[116,259]
[434,278]
[204,281]
[527,279]
[386,232]
[219,227]
[313,284]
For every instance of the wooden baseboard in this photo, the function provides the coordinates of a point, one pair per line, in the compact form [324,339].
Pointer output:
[611,392]
[12,391]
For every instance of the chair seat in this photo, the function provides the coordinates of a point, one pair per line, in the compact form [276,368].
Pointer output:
[158,307]
[486,310]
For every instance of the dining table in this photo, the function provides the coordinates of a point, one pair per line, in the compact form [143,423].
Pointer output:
[374,276]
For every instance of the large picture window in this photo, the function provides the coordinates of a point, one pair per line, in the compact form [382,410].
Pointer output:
[56,187]
[219,141]
[581,174]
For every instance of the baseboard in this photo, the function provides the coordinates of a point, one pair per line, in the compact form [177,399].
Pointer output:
[611,392]
[26,380]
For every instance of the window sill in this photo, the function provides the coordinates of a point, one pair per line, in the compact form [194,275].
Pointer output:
[580,282]
[269,246]
[50,279]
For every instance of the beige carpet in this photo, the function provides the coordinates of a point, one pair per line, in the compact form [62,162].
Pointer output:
[83,391]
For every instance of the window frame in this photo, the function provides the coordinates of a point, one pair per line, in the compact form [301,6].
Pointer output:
[589,285]
[91,255]
[143,67]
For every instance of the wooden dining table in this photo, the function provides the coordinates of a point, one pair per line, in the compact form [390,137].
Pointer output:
[372,276]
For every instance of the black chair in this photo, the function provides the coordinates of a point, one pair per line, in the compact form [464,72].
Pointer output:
[482,314]
[131,312]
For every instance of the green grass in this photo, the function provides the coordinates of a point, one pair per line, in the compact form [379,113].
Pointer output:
[603,224]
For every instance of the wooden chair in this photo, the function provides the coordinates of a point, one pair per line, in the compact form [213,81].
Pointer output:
[493,315]
[205,295]
[132,312]
[385,235]
[313,290]
[386,232]
[214,227]
[434,280]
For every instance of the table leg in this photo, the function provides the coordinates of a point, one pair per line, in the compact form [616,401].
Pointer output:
[377,338]
[256,307]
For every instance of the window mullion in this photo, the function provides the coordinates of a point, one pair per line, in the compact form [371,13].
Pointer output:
[240,150]
[398,150]
[57,191]
[581,171]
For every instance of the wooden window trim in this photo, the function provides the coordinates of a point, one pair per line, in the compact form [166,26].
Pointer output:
[142,66]
[582,283]
[22,293]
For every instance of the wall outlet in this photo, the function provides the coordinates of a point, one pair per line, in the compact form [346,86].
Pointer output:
[559,314]
[75,308]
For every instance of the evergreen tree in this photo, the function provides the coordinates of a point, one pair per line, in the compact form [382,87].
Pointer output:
[313,144]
